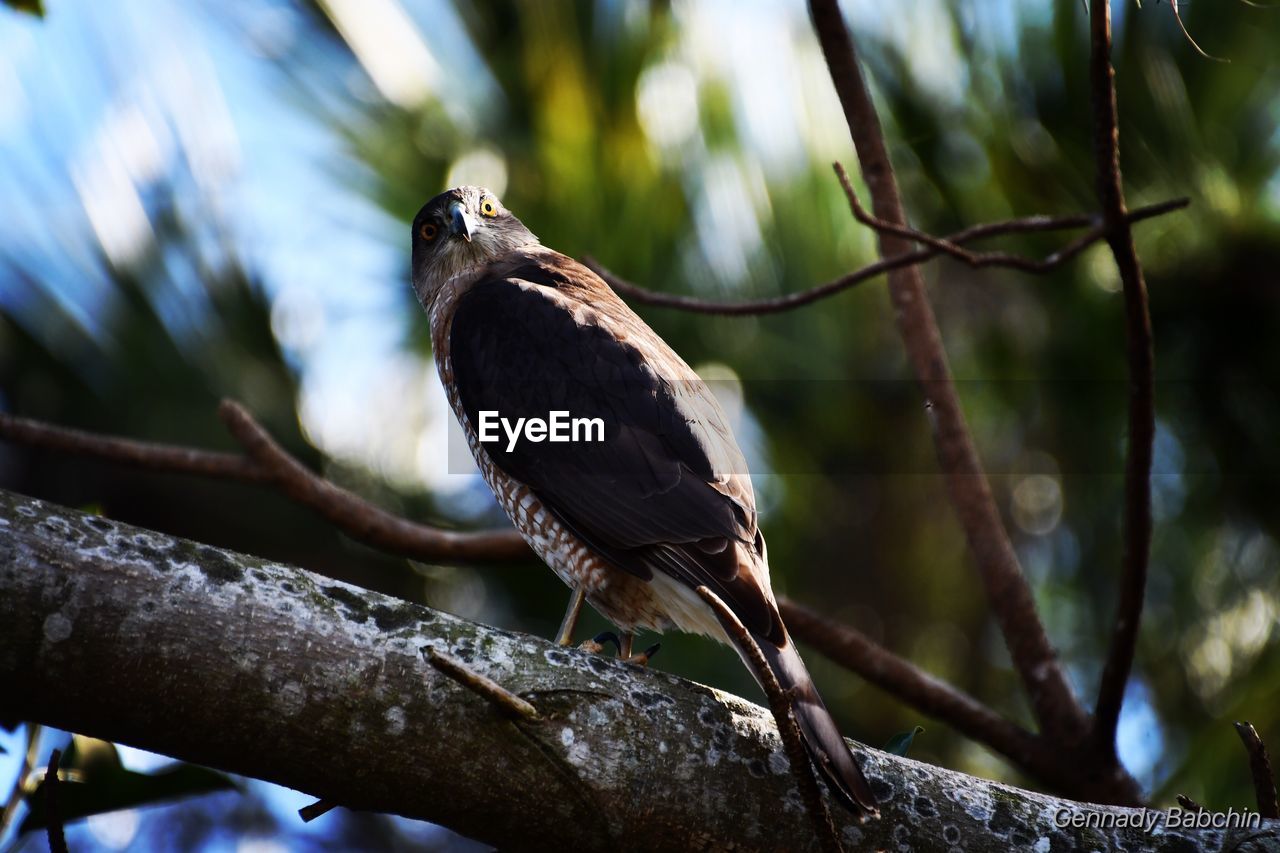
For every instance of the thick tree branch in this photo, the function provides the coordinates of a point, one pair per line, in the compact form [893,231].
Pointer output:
[950,245]
[1141,358]
[276,673]
[1054,705]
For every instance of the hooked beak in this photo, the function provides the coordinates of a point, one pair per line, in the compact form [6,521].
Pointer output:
[461,223]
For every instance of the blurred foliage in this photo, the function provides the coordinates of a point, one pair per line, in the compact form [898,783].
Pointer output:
[92,781]
[31,7]
[149,384]
[857,521]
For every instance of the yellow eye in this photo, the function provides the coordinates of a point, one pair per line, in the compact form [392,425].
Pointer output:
[428,231]
[488,206]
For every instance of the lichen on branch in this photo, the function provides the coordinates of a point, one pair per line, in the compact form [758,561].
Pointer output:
[280,674]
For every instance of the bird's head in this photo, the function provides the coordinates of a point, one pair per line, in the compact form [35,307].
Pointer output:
[460,230]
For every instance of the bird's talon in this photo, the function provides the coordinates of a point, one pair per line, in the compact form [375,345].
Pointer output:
[596,644]
[644,657]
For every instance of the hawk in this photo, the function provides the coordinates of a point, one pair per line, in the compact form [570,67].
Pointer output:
[633,523]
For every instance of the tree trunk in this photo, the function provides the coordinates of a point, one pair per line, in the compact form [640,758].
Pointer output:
[272,672]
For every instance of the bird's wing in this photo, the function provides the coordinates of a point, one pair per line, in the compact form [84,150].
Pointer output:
[667,489]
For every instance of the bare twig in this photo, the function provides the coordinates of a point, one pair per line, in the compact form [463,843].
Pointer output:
[992,259]
[268,463]
[936,246]
[1188,803]
[1264,781]
[1141,358]
[858,653]
[359,518]
[137,454]
[52,814]
[1054,705]
[316,809]
[788,728]
[486,688]
[1177,16]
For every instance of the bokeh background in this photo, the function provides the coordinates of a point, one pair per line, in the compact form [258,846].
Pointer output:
[207,199]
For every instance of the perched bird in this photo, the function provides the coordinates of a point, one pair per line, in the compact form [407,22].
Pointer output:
[633,523]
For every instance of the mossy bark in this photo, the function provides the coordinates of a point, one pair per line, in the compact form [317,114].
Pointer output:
[273,672]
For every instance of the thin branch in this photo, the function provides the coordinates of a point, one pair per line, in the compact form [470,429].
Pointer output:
[359,518]
[316,809]
[897,676]
[127,451]
[1141,360]
[508,703]
[992,259]
[52,813]
[1264,781]
[1177,16]
[788,728]
[1054,705]
[936,246]
[268,463]
[1188,803]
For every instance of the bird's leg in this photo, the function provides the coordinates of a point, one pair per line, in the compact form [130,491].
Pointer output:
[624,647]
[564,637]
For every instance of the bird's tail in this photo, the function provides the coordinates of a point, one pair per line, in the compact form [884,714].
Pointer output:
[830,753]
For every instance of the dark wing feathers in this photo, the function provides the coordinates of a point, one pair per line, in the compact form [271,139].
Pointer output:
[644,497]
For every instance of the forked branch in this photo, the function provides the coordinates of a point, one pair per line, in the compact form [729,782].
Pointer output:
[268,463]
[951,244]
